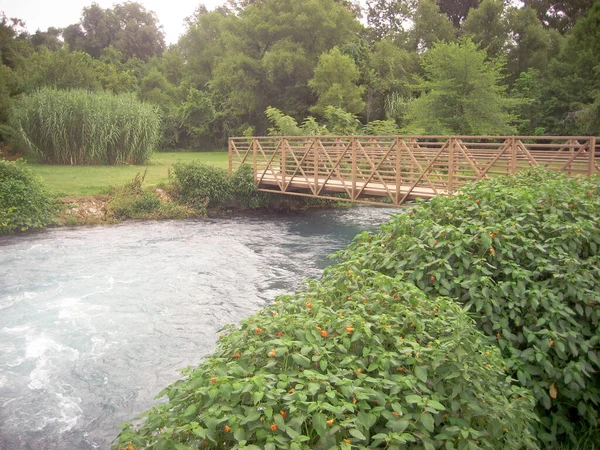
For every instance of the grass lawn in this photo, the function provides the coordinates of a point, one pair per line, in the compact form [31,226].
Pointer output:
[81,181]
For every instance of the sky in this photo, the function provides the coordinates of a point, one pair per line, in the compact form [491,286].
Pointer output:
[42,14]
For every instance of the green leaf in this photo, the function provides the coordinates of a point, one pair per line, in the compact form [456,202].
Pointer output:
[357,434]
[428,422]
[319,422]
[421,373]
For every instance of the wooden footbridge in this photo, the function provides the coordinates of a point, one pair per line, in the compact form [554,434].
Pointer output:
[390,170]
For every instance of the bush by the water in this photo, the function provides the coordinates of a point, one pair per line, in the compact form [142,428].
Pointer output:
[24,202]
[370,362]
[131,201]
[523,254]
[200,185]
[80,127]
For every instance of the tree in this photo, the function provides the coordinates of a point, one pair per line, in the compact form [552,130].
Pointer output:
[430,26]
[486,25]
[462,93]
[334,82]
[388,18]
[560,15]
[128,27]
[457,10]
[529,43]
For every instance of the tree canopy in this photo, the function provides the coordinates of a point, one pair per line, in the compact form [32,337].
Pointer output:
[532,67]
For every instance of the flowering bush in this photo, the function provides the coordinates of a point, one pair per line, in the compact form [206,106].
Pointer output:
[370,362]
[521,253]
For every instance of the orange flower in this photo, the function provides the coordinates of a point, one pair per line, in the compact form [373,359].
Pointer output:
[273,427]
[347,441]
[214,380]
[492,251]
[227,428]
[220,336]
[309,305]
[330,422]
[395,414]
[551,342]
[283,414]
[292,390]
[395,296]
[324,333]
[432,278]
[359,371]
[236,355]
[272,353]
[349,329]
[258,331]
[435,242]
[280,334]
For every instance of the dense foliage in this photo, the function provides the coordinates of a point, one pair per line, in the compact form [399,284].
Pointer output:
[522,253]
[78,127]
[24,203]
[477,66]
[200,186]
[364,363]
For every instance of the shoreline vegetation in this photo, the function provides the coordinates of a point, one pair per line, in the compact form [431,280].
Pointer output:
[469,322]
[171,186]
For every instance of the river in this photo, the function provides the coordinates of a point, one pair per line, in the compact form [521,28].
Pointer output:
[95,321]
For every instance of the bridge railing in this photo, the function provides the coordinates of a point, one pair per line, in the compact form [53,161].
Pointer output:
[394,169]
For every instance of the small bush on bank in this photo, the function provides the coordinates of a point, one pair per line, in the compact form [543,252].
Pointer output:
[131,201]
[371,362]
[24,202]
[200,186]
[79,127]
[522,253]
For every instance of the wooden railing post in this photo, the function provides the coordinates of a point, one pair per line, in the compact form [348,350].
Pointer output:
[282,165]
[316,166]
[230,154]
[254,159]
[398,171]
[451,145]
[353,168]
[512,166]
[591,156]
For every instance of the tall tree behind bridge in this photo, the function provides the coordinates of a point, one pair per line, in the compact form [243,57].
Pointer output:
[128,27]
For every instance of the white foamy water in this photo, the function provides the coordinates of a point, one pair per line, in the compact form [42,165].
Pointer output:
[94,322]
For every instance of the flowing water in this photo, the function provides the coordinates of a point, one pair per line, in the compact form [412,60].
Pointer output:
[94,322]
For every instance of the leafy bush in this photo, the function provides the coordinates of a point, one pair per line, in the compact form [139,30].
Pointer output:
[200,186]
[24,202]
[366,362]
[131,201]
[245,191]
[522,253]
[79,127]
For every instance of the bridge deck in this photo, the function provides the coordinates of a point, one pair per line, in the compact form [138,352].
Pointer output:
[391,170]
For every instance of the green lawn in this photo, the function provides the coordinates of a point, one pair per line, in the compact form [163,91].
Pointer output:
[81,181]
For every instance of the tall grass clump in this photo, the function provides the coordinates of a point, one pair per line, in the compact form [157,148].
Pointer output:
[79,127]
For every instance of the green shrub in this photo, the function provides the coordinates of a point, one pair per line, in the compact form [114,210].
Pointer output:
[24,202]
[522,253]
[245,191]
[131,201]
[200,186]
[79,127]
[369,362]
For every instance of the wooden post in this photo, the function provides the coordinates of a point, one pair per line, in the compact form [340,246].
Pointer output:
[353,168]
[282,164]
[451,165]
[398,170]
[316,166]
[254,157]
[230,152]
[512,167]
[591,156]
